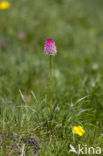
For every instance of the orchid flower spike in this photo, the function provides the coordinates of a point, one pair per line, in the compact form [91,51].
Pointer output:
[50,47]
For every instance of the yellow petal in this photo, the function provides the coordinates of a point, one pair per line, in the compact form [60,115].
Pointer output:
[4,5]
[79,130]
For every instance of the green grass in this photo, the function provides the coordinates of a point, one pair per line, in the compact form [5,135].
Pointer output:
[77,28]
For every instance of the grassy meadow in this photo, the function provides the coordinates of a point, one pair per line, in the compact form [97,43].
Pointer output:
[26,125]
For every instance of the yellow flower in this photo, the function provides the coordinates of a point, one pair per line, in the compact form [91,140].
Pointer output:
[78,130]
[4,5]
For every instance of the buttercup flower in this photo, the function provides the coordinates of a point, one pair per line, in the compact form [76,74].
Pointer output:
[4,5]
[50,47]
[78,130]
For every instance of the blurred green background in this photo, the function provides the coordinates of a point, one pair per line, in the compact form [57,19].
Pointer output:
[77,28]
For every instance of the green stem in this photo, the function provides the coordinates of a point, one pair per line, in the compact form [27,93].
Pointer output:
[51,84]
[73,138]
